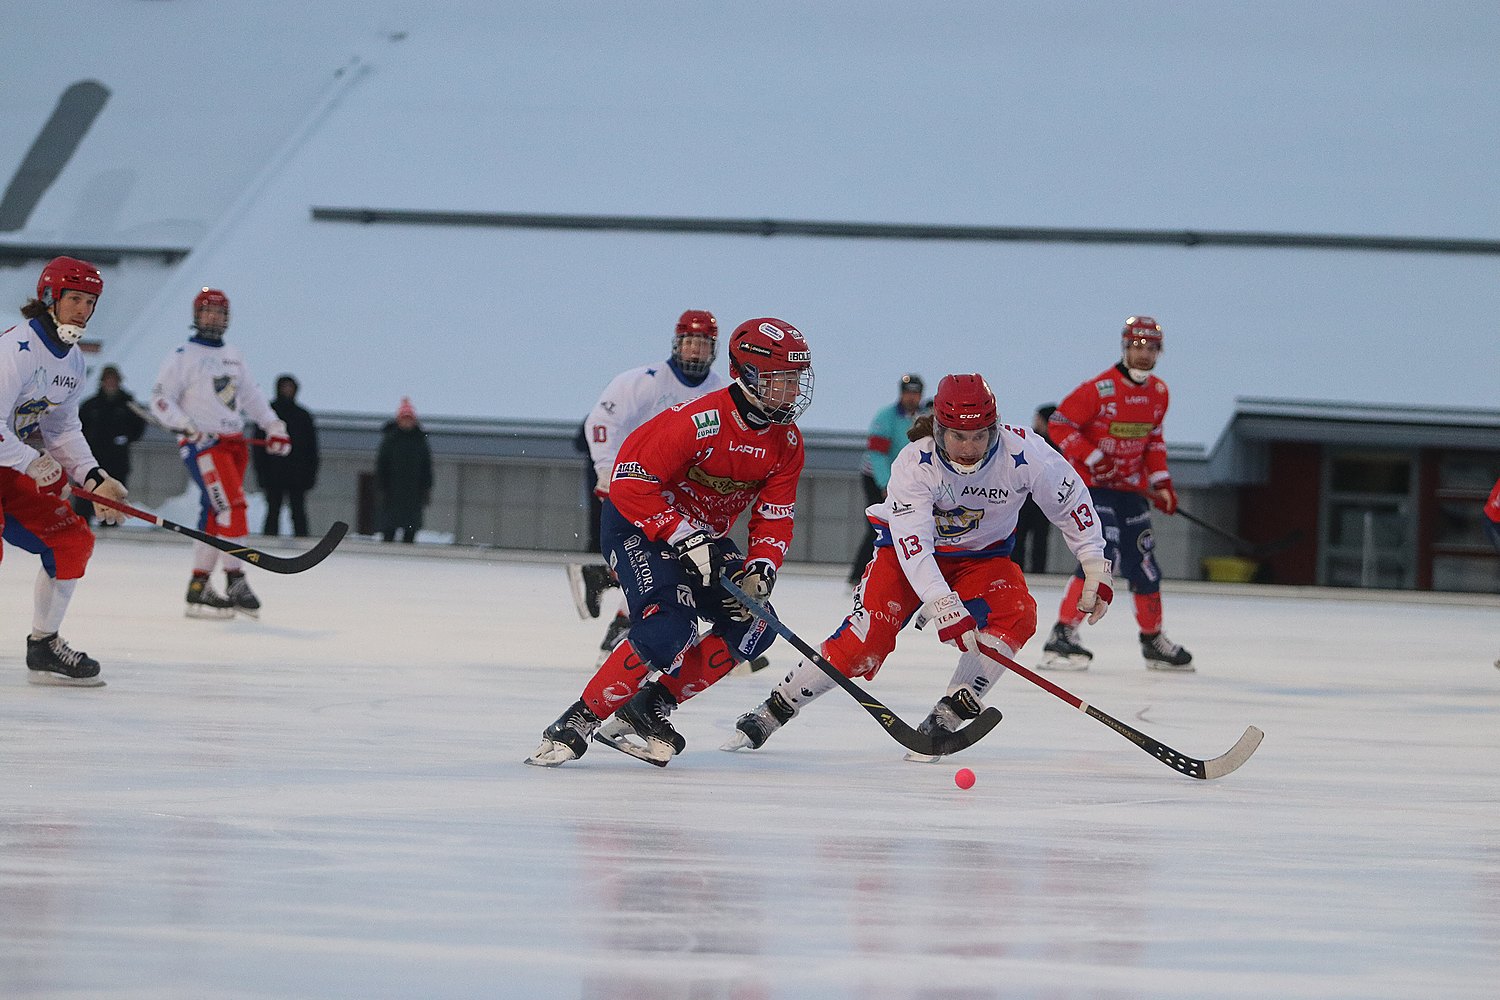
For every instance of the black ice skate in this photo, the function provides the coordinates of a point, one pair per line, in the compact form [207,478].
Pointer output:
[619,628]
[241,598]
[50,660]
[645,717]
[1063,650]
[588,584]
[205,602]
[756,726]
[1162,653]
[567,738]
[948,716]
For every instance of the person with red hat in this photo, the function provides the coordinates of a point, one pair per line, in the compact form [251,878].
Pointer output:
[42,446]
[631,398]
[1110,428]
[204,393]
[943,539]
[677,489]
[403,475]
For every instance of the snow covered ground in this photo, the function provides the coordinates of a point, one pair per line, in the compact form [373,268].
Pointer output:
[331,803]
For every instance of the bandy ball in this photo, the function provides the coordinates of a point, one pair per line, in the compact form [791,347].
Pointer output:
[964,778]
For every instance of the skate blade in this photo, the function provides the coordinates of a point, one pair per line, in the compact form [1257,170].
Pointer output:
[1171,668]
[550,754]
[922,758]
[210,614]
[47,679]
[580,591]
[739,741]
[653,752]
[1058,662]
[248,612]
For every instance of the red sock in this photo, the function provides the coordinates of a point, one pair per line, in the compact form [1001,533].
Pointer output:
[615,681]
[703,666]
[1148,612]
[1068,612]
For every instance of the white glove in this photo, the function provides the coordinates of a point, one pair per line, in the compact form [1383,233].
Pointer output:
[189,434]
[699,558]
[756,578]
[102,483]
[47,473]
[278,445]
[1098,589]
[955,625]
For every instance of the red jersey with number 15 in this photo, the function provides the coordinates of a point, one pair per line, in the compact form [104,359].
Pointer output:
[700,465]
[1110,412]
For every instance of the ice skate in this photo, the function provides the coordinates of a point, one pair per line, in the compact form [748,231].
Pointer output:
[205,602]
[619,627]
[1063,651]
[588,584]
[1162,653]
[567,738]
[50,660]
[241,598]
[948,716]
[645,717]
[755,727]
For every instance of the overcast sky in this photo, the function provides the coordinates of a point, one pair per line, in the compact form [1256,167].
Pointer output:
[1361,118]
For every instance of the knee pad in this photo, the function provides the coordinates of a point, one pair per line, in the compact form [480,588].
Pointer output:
[660,635]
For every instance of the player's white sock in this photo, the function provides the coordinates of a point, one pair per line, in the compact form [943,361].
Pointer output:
[50,604]
[978,672]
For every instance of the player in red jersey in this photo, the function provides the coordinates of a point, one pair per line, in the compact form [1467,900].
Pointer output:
[1492,522]
[679,484]
[1110,429]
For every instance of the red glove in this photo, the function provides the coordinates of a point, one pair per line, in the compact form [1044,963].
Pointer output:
[1100,464]
[1164,497]
[955,625]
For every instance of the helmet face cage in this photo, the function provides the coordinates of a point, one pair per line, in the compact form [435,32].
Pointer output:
[965,403]
[697,323]
[770,360]
[210,297]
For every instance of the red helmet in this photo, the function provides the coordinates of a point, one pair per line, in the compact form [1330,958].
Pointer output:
[67,274]
[696,323]
[772,363]
[210,297]
[965,403]
[1142,328]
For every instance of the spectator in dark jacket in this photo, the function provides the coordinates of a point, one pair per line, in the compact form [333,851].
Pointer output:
[403,474]
[112,421]
[1032,526]
[288,478]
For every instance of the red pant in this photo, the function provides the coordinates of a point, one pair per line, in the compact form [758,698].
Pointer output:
[219,471]
[44,524]
[993,588]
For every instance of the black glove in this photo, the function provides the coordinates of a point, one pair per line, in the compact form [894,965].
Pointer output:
[699,558]
[756,579]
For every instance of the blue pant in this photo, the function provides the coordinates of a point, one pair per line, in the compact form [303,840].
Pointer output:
[1128,542]
[664,606]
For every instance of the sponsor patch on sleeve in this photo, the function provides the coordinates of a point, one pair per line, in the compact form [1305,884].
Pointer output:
[707,423]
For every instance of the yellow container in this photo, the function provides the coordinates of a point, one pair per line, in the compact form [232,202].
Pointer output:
[1230,569]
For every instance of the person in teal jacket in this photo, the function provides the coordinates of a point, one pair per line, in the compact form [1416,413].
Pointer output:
[887,437]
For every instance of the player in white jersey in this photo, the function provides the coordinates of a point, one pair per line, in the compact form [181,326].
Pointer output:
[41,446]
[944,535]
[633,397]
[204,392]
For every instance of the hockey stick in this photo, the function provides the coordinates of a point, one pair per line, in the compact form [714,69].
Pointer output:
[912,739]
[1256,549]
[265,560]
[1216,767]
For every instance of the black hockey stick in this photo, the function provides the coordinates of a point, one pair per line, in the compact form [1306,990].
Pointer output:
[913,740]
[1216,767]
[1257,550]
[276,564]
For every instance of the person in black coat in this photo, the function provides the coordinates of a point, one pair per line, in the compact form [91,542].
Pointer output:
[288,478]
[403,474]
[112,421]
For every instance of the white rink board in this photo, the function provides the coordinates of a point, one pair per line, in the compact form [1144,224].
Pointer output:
[331,803]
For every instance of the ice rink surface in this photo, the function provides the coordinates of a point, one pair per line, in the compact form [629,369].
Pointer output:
[331,803]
